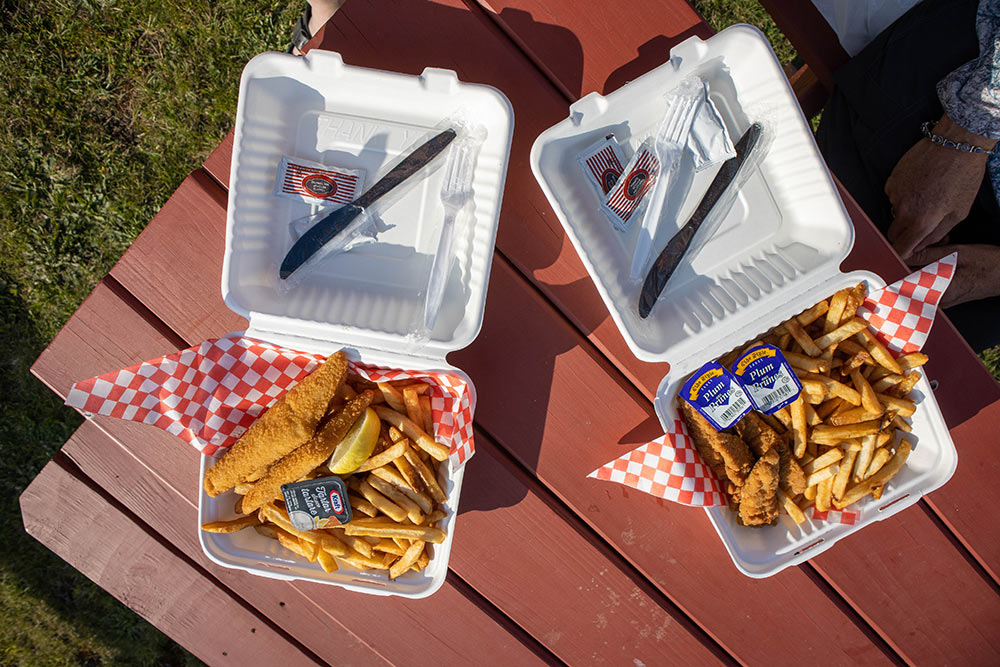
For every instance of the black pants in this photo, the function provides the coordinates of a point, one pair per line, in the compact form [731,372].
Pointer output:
[880,99]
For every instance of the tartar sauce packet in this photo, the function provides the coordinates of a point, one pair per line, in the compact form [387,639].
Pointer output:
[313,503]
[623,200]
[767,377]
[716,393]
[602,163]
[314,183]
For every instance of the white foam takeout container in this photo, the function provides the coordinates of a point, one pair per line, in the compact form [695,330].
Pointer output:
[369,300]
[777,252]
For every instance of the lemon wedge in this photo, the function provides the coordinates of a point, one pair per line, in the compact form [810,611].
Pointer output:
[357,445]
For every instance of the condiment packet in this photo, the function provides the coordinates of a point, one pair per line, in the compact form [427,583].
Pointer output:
[716,393]
[624,199]
[312,503]
[209,394]
[314,183]
[602,164]
[709,141]
[767,378]
[668,465]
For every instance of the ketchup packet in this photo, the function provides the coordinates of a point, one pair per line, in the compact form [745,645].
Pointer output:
[602,163]
[314,183]
[313,503]
[623,200]
[767,378]
[716,393]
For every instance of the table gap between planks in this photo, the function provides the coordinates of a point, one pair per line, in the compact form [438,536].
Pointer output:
[609,573]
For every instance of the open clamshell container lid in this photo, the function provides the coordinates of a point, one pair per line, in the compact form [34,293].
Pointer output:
[784,237]
[776,253]
[319,109]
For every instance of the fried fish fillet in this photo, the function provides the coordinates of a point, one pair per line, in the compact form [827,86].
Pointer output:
[294,465]
[291,421]
[758,496]
[724,453]
[760,437]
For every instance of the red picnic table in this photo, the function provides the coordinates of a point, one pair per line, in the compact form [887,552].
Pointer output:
[547,566]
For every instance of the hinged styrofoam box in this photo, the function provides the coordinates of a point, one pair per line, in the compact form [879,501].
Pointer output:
[777,252]
[369,300]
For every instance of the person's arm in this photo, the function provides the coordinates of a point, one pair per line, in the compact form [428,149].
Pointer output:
[932,188]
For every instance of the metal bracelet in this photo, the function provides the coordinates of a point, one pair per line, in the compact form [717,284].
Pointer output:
[948,143]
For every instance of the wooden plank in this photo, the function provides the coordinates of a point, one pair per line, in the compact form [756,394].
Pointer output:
[555,34]
[307,611]
[85,529]
[597,620]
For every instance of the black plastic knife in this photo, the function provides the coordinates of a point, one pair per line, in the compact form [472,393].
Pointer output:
[334,223]
[671,255]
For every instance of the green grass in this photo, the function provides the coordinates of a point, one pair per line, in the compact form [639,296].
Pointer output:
[106,106]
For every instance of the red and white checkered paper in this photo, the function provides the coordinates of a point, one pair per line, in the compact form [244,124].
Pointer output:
[670,466]
[902,313]
[209,394]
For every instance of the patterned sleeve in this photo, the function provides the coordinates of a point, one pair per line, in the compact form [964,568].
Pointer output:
[971,94]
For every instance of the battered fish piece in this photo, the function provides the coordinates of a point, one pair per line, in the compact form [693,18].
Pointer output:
[294,465]
[724,453]
[758,497]
[760,438]
[291,421]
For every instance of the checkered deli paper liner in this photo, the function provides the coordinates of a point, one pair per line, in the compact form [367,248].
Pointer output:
[209,394]
[670,467]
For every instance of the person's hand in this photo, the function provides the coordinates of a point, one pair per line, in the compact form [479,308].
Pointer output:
[977,275]
[932,188]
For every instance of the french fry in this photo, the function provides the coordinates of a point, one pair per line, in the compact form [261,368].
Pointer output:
[810,495]
[393,397]
[884,383]
[807,363]
[427,475]
[384,505]
[413,432]
[267,530]
[798,413]
[824,492]
[828,458]
[356,543]
[901,424]
[309,550]
[827,408]
[383,528]
[869,400]
[815,478]
[852,347]
[292,543]
[852,416]
[902,406]
[408,559]
[835,311]
[785,417]
[812,419]
[388,546]
[383,458]
[363,562]
[854,299]
[843,332]
[231,526]
[361,505]
[878,351]
[407,472]
[834,388]
[790,507]
[425,408]
[880,458]
[802,338]
[422,561]
[413,511]
[844,474]
[326,561]
[879,479]
[242,488]
[279,518]
[390,476]
[864,458]
[813,391]
[831,435]
[434,517]
[412,400]
[906,385]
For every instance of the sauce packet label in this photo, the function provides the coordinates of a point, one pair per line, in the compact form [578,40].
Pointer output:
[314,183]
[716,393]
[602,163]
[767,377]
[314,503]
[623,200]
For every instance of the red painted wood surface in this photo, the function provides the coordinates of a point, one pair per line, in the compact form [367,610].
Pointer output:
[83,528]
[554,439]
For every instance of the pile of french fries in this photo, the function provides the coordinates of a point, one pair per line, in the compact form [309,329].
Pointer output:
[395,495]
[846,426]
